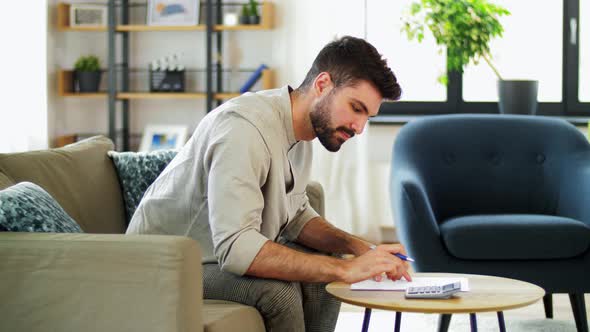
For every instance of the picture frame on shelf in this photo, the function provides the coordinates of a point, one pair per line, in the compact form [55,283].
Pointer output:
[163,137]
[173,12]
[87,15]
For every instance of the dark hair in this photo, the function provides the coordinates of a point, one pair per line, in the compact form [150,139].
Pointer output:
[349,60]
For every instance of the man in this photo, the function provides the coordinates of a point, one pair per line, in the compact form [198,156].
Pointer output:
[238,188]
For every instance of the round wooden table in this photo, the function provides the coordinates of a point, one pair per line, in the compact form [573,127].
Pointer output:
[486,294]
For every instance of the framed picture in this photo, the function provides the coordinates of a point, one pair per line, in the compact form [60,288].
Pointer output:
[173,12]
[84,15]
[162,137]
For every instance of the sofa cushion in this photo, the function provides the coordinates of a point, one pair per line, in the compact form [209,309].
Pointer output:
[515,236]
[81,178]
[137,171]
[221,316]
[26,207]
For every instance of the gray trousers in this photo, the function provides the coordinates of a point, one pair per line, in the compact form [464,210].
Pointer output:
[284,305]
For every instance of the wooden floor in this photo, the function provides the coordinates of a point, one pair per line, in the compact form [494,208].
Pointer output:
[561,310]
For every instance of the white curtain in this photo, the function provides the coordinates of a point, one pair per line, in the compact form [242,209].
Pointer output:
[23,87]
[351,203]
[345,175]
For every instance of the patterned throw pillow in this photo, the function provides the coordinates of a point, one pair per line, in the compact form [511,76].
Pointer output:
[26,207]
[137,171]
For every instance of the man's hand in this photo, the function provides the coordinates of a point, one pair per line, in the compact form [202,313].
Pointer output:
[373,263]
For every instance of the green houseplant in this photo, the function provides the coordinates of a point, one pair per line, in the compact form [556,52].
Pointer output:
[245,14]
[465,28]
[249,13]
[87,73]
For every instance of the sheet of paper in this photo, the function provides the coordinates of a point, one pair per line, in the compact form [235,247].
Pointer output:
[401,285]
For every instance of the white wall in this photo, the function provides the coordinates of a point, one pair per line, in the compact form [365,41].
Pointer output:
[23,89]
[302,28]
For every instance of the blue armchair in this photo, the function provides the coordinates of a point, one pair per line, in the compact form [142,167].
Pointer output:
[497,195]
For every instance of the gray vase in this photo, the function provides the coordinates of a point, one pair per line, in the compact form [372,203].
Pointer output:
[254,19]
[88,81]
[518,96]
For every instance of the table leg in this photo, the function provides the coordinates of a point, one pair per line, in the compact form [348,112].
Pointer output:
[444,321]
[398,321]
[366,320]
[473,321]
[501,321]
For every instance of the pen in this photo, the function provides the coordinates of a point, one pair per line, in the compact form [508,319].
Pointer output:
[400,256]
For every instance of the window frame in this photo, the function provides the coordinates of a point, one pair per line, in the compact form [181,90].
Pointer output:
[569,106]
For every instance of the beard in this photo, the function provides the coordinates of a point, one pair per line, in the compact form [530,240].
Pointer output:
[321,121]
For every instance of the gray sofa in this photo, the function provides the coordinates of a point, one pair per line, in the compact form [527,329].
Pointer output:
[102,280]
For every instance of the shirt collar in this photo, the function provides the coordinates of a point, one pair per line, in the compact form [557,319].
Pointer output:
[288,114]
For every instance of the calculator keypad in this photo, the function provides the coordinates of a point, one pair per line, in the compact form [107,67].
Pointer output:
[433,292]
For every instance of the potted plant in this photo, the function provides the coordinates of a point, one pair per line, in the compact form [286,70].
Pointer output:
[87,73]
[254,17]
[465,28]
[245,15]
[249,13]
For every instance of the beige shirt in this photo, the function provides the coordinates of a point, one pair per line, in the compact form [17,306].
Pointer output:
[238,182]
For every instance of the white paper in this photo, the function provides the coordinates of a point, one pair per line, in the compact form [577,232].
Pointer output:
[402,284]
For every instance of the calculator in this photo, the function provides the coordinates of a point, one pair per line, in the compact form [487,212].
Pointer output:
[433,291]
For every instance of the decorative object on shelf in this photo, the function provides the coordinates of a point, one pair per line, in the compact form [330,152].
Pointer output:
[85,15]
[254,16]
[163,137]
[245,15]
[253,78]
[167,75]
[230,19]
[250,13]
[465,28]
[173,12]
[87,74]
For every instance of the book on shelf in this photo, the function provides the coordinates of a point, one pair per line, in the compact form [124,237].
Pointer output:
[253,78]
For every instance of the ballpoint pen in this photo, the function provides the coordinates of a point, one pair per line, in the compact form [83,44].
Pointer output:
[400,256]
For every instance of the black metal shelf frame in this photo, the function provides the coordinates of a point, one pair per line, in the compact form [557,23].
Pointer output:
[123,69]
[569,106]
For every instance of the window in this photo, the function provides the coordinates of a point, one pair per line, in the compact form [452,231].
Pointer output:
[531,48]
[584,71]
[536,45]
[416,65]
[23,117]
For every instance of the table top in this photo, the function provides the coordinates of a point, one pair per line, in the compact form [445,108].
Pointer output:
[486,293]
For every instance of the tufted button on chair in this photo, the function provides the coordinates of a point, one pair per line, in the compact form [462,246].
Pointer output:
[497,195]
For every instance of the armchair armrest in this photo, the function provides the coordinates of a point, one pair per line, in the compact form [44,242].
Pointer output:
[574,189]
[416,221]
[96,282]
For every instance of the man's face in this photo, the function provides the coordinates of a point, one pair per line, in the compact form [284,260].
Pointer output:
[343,112]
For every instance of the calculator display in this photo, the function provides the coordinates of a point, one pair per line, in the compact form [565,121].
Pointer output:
[449,286]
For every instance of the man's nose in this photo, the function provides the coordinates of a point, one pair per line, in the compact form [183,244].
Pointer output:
[358,126]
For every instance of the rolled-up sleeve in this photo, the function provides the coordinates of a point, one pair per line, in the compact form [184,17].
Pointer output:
[304,214]
[238,162]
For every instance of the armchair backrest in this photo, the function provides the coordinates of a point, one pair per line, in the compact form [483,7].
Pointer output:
[480,164]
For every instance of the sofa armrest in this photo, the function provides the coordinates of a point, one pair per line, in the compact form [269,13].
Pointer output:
[315,194]
[99,282]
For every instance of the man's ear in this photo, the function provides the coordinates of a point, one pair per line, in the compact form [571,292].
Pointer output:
[323,83]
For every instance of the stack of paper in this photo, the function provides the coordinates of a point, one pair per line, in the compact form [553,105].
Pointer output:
[402,284]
